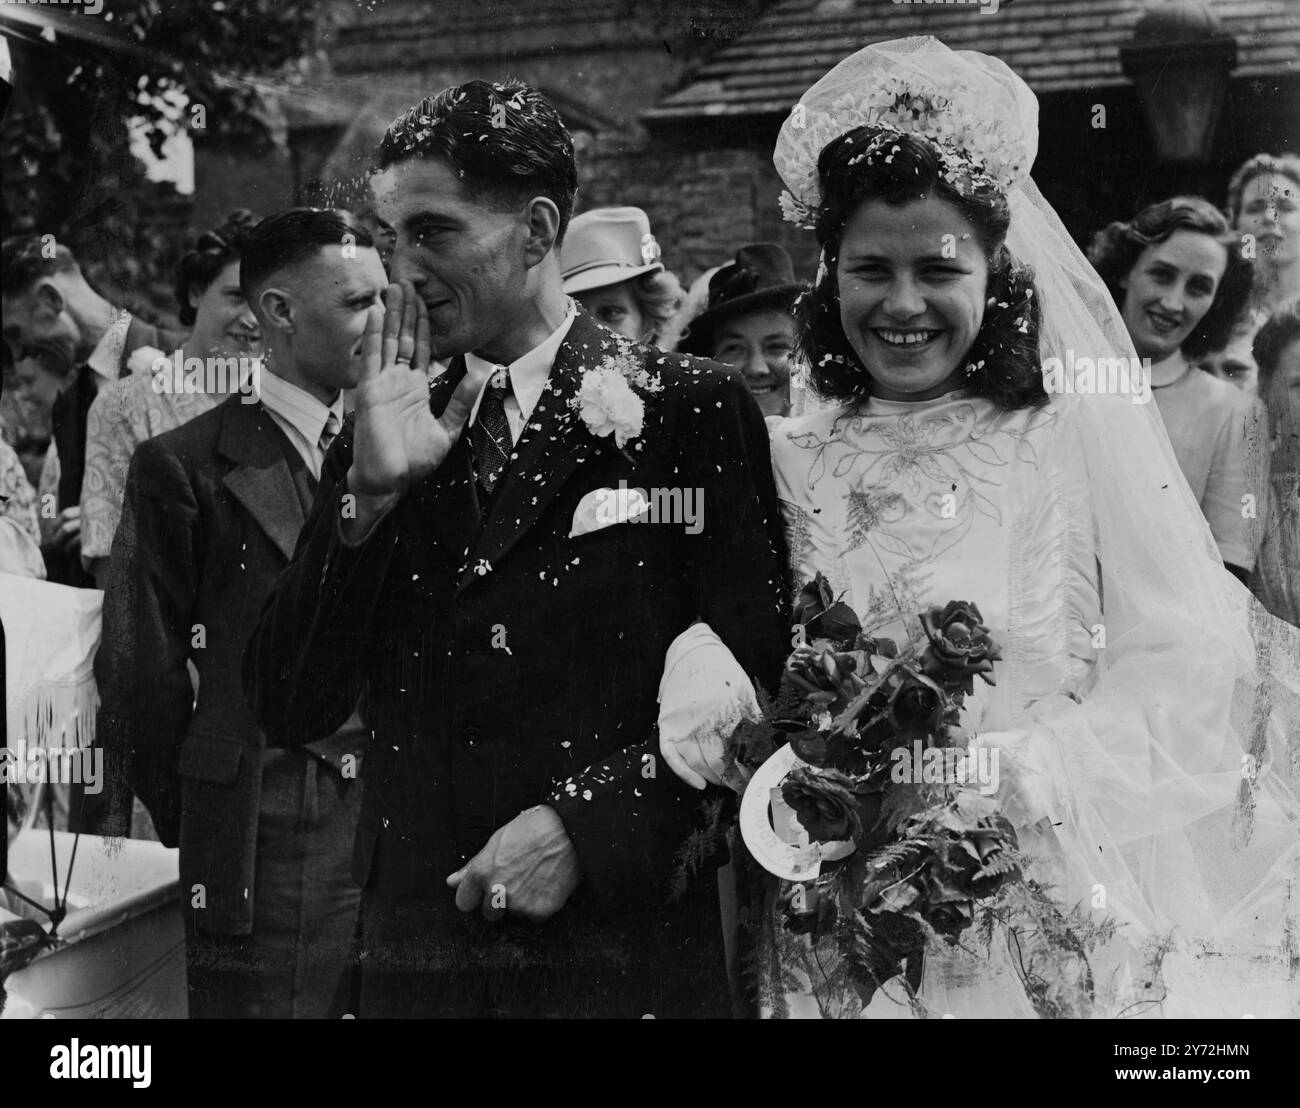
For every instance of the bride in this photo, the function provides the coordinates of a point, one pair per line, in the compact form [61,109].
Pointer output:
[1148,787]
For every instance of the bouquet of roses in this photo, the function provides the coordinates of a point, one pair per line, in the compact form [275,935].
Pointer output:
[885,776]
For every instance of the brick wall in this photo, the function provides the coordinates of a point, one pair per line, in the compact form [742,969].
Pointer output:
[703,204]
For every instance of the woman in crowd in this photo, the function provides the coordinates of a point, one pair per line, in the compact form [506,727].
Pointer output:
[930,466]
[1277,353]
[611,266]
[148,402]
[1177,272]
[747,322]
[1264,202]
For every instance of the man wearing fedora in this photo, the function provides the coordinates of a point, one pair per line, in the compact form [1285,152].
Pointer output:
[748,322]
[610,265]
[462,573]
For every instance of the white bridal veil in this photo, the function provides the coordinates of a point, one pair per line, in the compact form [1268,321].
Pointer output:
[1161,793]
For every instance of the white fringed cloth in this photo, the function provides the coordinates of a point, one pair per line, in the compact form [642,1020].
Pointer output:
[51,635]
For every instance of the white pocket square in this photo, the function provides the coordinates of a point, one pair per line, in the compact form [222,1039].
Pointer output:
[606,507]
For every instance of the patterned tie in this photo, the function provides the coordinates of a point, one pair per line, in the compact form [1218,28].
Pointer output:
[491,432]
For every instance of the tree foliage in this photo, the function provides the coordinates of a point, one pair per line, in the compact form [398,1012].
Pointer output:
[65,142]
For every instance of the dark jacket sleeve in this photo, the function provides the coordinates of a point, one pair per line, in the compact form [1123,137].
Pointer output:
[629,816]
[146,696]
[302,674]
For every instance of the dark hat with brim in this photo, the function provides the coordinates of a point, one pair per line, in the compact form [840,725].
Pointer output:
[762,276]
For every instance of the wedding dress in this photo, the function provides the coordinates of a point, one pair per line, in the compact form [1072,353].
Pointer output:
[1147,710]
[1115,775]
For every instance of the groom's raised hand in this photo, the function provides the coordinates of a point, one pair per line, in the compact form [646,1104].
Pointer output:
[528,867]
[397,440]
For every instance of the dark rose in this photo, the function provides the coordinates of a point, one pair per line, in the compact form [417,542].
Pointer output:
[991,840]
[813,599]
[829,750]
[916,706]
[824,617]
[878,944]
[960,856]
[951,917]
[813,671]
[823,801]
[960,646]
[870,715]
[895,932]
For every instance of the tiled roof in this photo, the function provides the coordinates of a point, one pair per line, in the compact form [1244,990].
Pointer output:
[394,33]
[1055,45]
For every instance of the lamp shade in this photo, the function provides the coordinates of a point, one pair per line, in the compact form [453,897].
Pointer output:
[1179,60]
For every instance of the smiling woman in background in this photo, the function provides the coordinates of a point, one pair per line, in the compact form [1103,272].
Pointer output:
[1177,273]
[747,322]
[610,262]
[134,409]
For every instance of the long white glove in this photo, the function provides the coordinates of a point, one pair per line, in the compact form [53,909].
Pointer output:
[703,695]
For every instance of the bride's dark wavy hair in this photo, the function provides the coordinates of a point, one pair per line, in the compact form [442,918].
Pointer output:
[1005,350]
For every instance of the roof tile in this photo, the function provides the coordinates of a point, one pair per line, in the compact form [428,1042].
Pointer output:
[767,69]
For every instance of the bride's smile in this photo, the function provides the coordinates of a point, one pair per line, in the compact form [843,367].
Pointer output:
[912,282]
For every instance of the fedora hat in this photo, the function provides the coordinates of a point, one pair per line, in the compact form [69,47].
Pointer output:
[762,276]
[606,246]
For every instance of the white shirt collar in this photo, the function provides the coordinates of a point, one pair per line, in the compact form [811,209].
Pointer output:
[106,358]
[298,407]
[528,374]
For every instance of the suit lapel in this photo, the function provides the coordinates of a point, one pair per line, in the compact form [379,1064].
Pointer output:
[447,502]
[260,479]
[554,444]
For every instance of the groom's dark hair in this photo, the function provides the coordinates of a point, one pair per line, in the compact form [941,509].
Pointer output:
[504,140]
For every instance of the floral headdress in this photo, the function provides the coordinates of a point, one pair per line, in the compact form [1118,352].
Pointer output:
[981,118]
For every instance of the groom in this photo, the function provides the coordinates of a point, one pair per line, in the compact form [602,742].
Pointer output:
[480,568]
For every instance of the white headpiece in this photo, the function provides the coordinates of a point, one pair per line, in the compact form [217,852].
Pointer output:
[980,115]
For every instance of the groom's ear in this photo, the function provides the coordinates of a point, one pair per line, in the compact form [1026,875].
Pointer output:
[543,224]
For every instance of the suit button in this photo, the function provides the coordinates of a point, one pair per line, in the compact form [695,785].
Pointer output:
[469,737]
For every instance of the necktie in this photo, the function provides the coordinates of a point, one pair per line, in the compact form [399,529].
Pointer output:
[491,432]
[328,433]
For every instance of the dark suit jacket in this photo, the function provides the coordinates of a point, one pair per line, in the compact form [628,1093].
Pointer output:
[505,664]
[211,515]
[68,424]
